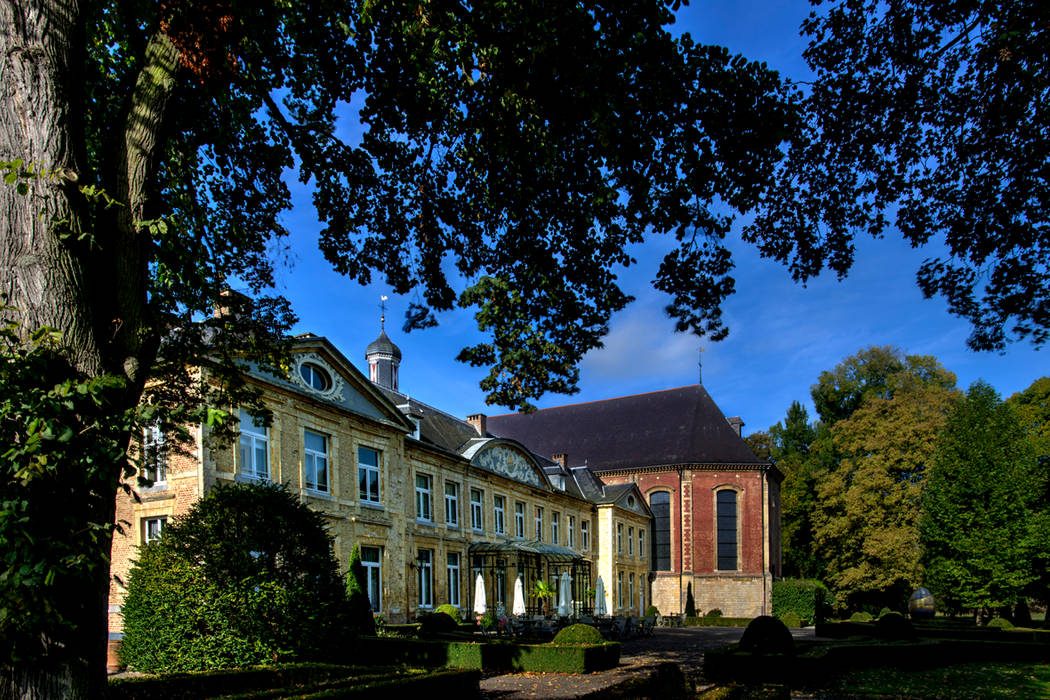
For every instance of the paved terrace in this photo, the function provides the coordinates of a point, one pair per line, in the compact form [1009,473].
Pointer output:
[684,646]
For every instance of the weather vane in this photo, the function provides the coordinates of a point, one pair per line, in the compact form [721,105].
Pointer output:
[382,312]
[700,365]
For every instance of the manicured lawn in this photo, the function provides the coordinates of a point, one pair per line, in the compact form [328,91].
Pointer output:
[977,680]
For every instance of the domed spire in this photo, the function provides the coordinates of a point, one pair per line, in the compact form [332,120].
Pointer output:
[383,356]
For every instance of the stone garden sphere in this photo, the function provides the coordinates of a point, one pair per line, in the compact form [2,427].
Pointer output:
[921,604]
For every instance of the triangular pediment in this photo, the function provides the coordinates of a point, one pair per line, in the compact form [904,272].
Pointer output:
[506,458]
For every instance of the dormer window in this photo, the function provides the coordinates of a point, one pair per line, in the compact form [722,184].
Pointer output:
[315,377]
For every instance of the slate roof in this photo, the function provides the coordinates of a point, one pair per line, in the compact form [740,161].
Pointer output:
[675,426]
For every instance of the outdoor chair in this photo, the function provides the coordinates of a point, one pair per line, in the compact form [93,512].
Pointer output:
[630,628]
[616,630]
[648,623]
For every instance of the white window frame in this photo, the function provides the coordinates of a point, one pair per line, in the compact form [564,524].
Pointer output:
[538,523]
[452,503]
[452,569]
[315,463]
[555,527]
[619,589]
[424,500]
[619,538]
[641,543]
[630,541]
[519,519]
[425,578]
[370,473]
[499,507]
[572,532]
[477,512]
[153,528]
[373,568]
[630,588]
[585,535]
[154,456]
[253,440]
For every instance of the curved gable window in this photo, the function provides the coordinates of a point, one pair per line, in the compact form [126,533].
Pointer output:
[314,376]
[727,521]
[660,504]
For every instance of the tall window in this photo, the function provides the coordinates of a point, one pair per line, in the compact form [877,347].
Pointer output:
[452,569]
[499,504]
[315,461]
[254,448]
[477,516]
[423,501]
[451,503]
[619,538]
[152,528]
[425,577]
[538,522]
[154,457]
[519,519]
[555,526]
[619,589]
[641,543]
[660,504]
[585,534]
[630,541]
[368,474]
[630,589]
[572,532]
[371,558]
[499,581]
[726,504]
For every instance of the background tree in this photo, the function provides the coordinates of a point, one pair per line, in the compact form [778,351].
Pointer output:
[984,523]
[867,504]
[930,119]
[1033,410]
[245,577]
[519,146]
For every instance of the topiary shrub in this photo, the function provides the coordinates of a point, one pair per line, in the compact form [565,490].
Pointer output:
[450,610]
[885,611]
[690,603]
[652,611]
[767,635]
[246,577]
[438,622]
[1000,623]
[360,608]
[578,634]
[894,627]
[713,613]
[791,619]
[860,617]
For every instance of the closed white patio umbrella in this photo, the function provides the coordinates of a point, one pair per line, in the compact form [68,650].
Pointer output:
[479,595]
[518,607]
[599,598]
[564,594]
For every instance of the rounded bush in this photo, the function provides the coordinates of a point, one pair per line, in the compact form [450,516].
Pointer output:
[860,617]
[578,634]
[894,627]
[651,611]
[791,619]
[767,635]
[246,577]
[438,622]
[449,609]
[713,614]
[885,611]
[1001,623]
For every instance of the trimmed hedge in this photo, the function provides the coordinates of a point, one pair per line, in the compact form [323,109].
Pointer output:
[791,619]
[805,597]
[1000,623]
[489,656]
[578,634]
[717,621]
[767,635]
[861,617]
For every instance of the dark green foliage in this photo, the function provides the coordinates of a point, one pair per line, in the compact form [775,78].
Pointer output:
[894,627]
[247,576]
[1000,623]
[800,596]
[437,623]
[652,611]
[861,616]
[767,635]
[883,613]
[713,614]
[493,656]
[986,518]
[221,683]
[450,610]
[690,603]
[360,608]
[791,619]
[578,634]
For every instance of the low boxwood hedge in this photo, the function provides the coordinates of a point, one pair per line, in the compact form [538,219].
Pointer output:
[489,656]
[717,621]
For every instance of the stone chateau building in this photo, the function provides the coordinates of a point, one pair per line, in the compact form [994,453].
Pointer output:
[649,492]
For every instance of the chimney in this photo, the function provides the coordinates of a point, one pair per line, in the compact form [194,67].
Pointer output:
[562,459]
[737,423]
[480,423]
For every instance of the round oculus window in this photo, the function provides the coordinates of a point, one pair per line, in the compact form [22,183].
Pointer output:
[314,376]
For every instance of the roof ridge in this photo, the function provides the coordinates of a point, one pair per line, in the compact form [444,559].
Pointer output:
[611,398]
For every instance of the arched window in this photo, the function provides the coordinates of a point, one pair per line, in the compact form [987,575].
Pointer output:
[727,540]
[660,504]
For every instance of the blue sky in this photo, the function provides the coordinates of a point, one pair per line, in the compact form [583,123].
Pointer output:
[782,335]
